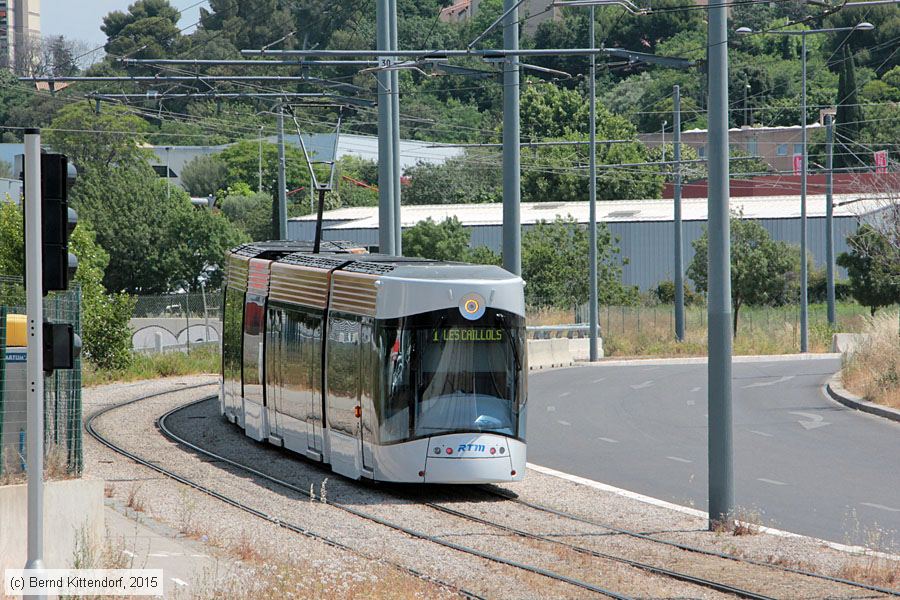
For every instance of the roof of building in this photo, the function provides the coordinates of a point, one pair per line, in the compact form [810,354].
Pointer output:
[693,209]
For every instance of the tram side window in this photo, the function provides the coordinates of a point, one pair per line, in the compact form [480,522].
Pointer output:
[343,373]
[253,348]
[395,396]
[231,351]
[302,333]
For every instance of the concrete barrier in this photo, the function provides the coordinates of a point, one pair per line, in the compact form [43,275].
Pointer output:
[546,354]
[847,343]
[580,348]
[73,514]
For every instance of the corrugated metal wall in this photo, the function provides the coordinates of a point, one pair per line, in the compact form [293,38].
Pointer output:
[647,245]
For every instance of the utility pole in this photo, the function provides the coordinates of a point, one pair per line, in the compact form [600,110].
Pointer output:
[35,394]
[512,232]
[395,135]
[592,231]
[259,179]
[386,226]
[720,446]
[804,306]
[676,200]
[829,216]
[282,184]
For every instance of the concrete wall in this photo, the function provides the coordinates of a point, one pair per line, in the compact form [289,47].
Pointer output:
[173,330]
[73,511]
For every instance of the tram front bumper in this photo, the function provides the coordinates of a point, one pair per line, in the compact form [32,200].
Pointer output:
[478,458]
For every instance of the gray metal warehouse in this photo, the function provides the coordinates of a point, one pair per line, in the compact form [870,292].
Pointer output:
[644,227]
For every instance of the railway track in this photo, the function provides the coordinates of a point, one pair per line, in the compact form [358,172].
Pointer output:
[509,496]
[650,568]
[538,538]
[92,431]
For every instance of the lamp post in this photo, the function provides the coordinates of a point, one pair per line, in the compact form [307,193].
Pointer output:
[804,301]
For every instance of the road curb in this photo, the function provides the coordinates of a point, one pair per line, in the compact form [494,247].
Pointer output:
[836,391]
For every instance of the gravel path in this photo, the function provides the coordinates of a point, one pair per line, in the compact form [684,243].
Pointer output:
[199,515]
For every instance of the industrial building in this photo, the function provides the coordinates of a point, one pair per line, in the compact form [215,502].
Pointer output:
[644,228]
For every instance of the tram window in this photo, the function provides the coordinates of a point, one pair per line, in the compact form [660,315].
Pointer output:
[394,409]
[302,334]
[343,373]
[254,313]
[231,351]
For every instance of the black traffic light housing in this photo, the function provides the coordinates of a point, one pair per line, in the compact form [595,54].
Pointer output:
[61,346]
[57,222]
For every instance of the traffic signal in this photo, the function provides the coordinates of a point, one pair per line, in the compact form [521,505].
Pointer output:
[57,222]
[61,346]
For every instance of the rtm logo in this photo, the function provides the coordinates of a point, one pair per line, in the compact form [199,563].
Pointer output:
[470,448]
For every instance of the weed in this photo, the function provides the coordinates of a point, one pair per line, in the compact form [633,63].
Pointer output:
[134,500]
[323,492]
[186,509]
[873,369]
[244,548]
[109,490]
[152,366]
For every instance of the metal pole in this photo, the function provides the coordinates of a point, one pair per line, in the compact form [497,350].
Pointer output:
[804,316]
[395,133]
[592,232]
[676,199]
[282,183]
[35,393]
[168,170]
[385,145]
[720,450]
[205,312]
[829,216]
[259,181]
[512,246]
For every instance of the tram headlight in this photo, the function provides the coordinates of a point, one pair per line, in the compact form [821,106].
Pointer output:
[472,306]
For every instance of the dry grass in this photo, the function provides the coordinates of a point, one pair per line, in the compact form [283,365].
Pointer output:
[873,570]
[153,366]
[873,369]
[135,502]
[244,548]
[741,522]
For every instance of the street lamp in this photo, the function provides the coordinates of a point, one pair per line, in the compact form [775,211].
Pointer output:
[804,303]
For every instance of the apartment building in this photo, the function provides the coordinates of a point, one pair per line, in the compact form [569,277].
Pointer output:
[20,22]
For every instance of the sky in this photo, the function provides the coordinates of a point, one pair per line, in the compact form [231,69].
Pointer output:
[81,19]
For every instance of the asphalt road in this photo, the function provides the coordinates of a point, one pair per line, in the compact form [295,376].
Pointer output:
[802,462]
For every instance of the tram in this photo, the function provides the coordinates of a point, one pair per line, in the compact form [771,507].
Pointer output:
[385,368]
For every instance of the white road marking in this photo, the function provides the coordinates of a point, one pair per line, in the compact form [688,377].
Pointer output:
[566,423]
[608,440]
[772,481]
[814,421]
[128,553]
[699,513]
[159,554]
[641,386]
[679,459]
[180,582]
[691,402]
[762,433]
[600,379]
[551,409]
[564,394]
[200,555]
[768,383]
[880,506]
[696,389]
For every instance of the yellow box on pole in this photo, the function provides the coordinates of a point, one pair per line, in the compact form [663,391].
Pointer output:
[16,331]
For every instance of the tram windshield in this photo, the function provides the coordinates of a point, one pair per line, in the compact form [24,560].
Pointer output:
[453,376]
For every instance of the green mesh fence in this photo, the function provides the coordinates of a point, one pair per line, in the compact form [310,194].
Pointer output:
[62,390]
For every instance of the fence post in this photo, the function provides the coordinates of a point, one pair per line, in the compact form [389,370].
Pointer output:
[2,381]
[157,342]
[187,319]
[205,313]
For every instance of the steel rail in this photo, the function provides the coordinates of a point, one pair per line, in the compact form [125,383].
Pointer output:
[161,424]
[90,428]
[700,581]
[687,547]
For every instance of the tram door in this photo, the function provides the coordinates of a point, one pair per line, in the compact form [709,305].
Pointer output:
[274,358]
[368,376]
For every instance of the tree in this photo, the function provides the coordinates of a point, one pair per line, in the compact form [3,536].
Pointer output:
[460,180]
[88,139]
[252,214]
[204,175]
[447,240]
[760,266]
[255,24]
[148,30]
[242,164]
[849,115]
[555,265]
[874,268]
[105,333]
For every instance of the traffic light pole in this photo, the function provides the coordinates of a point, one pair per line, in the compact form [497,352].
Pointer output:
[35,371]
[676,200]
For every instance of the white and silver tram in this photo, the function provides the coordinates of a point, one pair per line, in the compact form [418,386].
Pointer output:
[386,368]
